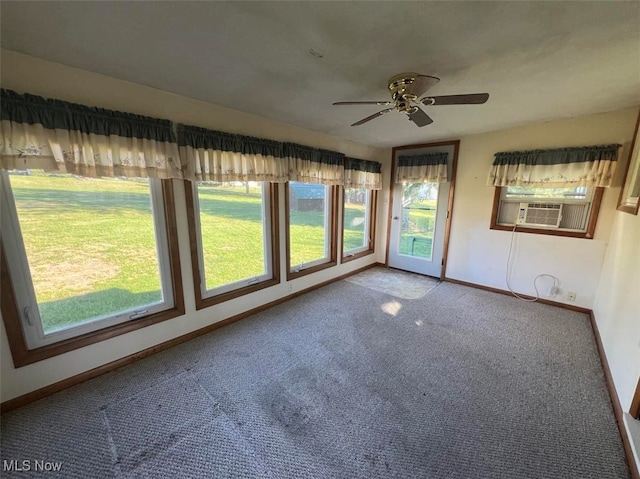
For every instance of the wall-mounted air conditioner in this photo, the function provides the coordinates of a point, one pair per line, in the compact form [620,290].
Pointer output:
[540,214]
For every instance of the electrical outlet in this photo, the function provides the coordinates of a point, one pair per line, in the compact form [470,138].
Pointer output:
[290,286]
[571,295]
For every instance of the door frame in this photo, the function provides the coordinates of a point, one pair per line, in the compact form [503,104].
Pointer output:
[454,169]
[634,410]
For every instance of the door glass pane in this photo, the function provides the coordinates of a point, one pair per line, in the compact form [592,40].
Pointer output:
[419,204]
[356,214]
[90,244]
[232,226]
[308,223]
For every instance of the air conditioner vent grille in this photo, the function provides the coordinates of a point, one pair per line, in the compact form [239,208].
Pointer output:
[540,214]
[545,206]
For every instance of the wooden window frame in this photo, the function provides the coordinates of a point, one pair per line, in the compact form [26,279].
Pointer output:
[588,234]
[23,356]
[622,206]
[205,302]
[333,234]
[372,230]
[634,410]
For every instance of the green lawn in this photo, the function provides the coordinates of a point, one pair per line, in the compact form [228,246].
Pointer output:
[418,228]
[354,223]
[93,253]
[89,253]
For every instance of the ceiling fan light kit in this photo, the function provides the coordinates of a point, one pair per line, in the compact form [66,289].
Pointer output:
[406,90]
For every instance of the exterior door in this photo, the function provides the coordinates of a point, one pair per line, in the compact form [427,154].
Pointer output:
[419,220]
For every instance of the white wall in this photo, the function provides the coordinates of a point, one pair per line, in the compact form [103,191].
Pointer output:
[616,312]
[479,255]
[27,74]
[616,305]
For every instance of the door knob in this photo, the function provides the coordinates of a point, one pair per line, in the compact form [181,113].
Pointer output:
[395,218]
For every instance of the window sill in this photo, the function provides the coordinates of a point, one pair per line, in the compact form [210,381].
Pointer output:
[23,356]
[202,303]
[359,254]
[541,231]
[313,269]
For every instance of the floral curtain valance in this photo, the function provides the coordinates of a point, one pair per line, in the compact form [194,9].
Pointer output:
[314,165]
[362,174]
[218,156]
[422,168]
[555,168]
[55,135]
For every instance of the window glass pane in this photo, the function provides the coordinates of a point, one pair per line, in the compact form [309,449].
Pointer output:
[577,193]
[90,245]
[233,231]
[419,206]
[356,218]
[308,222]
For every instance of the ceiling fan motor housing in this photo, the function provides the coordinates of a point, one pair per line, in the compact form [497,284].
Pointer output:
[402,87]
[398,86]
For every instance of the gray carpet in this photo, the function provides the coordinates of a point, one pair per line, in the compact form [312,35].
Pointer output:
[460,383]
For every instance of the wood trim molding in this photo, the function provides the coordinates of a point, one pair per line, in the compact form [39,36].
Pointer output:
[118,363]
[626,208]
[390,212]
[593,214]
[634,410]
[22,355]
[426,145]
[615,402]
[372,230]
[10,314]
[570,307]
[452,184]
[588,234]
[447,228]
[205,302]
[497,194]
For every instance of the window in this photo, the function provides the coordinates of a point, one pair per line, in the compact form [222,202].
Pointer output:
[358,225]
[557,211]
[311,232]
[233,232]
[86,255]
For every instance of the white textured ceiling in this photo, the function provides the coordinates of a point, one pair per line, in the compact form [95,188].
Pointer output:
[538,60]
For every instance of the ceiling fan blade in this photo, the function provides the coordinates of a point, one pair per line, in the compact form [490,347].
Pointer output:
[381,103]
[420,118]
[420,85]
[375,115]
[470,99]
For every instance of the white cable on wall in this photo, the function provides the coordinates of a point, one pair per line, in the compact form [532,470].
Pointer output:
[535,286]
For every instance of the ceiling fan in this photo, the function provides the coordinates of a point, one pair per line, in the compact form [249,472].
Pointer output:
[406,92]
